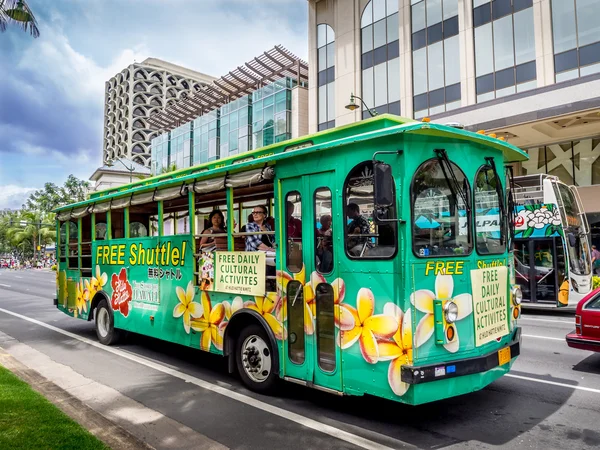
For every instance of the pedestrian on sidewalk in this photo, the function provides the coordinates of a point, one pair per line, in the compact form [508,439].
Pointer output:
[595,260]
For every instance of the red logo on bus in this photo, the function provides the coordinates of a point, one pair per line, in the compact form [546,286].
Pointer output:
[122,292]
[519,221]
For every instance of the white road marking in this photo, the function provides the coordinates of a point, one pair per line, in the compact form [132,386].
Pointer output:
[5,285]
[354,439]
[17,276]
[554,383]
[568,322]
[544,337]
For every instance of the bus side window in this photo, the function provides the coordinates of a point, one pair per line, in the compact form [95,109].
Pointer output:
[101,231]
[293,227]
[64,241]
[176,216]
[143,220]
[364,238]
[323,231]
[117,223]
[73,245]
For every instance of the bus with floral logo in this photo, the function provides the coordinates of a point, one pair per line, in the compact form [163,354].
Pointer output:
[551,248]
[366,265]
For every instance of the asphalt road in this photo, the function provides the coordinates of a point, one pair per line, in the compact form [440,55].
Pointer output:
[550,400]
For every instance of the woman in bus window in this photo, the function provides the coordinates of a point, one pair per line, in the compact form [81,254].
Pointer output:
[262,242]
[209,243]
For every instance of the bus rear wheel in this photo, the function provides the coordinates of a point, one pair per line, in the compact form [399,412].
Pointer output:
[105,329]
[254,358]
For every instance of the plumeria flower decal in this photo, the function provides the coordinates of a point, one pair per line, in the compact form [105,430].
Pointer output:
[423,301]
[367,327]
[399,350]
[309,289]
[231,308]
[266,306]
[81,300]
[344,319]
[97,282]
[186,306]
[208,324]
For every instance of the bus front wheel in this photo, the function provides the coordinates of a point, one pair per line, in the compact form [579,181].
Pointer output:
[254,358]
[105,329]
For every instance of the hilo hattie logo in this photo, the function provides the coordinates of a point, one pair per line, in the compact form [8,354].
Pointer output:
[122,292]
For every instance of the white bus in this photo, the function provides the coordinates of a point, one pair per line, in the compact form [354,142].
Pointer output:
[551,245]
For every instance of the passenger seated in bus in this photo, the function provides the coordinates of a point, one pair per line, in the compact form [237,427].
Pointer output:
[358,226]
[209,243]
[250,220]
[325,245]
[294,225]
[262,242]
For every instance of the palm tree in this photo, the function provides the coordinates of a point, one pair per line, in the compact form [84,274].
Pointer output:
[19,12]
[32,227]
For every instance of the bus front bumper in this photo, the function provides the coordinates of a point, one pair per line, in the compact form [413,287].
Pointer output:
[461,367]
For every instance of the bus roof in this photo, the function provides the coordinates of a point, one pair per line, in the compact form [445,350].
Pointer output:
[378,126]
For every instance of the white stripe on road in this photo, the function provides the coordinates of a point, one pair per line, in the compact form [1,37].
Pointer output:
[554,383]
[354,439]
[5,285]
[568,322]
[544,337]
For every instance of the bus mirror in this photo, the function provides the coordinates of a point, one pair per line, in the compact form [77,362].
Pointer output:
[383,184]
[572,239]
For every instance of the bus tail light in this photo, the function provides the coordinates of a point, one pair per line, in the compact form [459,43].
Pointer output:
[578,324]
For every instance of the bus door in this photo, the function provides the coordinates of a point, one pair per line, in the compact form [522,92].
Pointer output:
[538,269]
[311,355]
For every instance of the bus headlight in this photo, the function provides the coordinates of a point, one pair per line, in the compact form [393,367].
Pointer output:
[450,312]
[517,295]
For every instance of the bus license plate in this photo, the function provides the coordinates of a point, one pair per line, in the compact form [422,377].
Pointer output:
[503,356]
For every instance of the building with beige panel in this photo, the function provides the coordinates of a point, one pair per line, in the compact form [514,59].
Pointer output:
[527,70]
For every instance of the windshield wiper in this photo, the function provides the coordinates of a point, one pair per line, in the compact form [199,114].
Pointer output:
[453,183]
[492,164]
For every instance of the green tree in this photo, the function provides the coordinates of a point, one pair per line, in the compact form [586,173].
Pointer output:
[19,13]
[30,230]
[51,196]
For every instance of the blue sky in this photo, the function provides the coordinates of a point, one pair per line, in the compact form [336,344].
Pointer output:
[52,87]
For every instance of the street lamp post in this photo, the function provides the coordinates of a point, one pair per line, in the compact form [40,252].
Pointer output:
[111,162]
[352,105]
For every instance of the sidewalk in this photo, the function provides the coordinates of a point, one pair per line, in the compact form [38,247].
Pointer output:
[120,422]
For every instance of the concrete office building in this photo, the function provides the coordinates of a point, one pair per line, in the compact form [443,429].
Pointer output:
[527,70]
[135,93]
[260,103]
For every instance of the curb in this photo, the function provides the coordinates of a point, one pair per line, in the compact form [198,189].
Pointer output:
[114,436]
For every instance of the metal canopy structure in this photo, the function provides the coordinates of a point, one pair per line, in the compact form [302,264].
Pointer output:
[264,69]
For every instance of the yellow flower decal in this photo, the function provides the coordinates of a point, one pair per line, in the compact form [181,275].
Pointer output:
[231,308]
[367,327]
[186,306]
[344,319]
[266,306]
[208,324]
[399,350]
[308,288]
[423,301]
[81,300]
[97,282]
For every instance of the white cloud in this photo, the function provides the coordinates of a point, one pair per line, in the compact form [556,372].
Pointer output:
[13,196]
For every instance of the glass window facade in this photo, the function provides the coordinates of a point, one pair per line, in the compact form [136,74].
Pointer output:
[380,57]
[160,153]
[250,122]
[576,34]
[206,139]
[435,51]
[180,147]
[234,128]
[504,47]
[272,113]
[573,162]
[326,76]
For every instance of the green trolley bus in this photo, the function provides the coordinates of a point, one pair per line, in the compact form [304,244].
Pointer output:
[368,264]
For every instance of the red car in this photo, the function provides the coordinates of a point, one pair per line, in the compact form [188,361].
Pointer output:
[587,323]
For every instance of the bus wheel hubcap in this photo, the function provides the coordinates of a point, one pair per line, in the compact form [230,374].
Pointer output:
[256,358]
[103,322]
